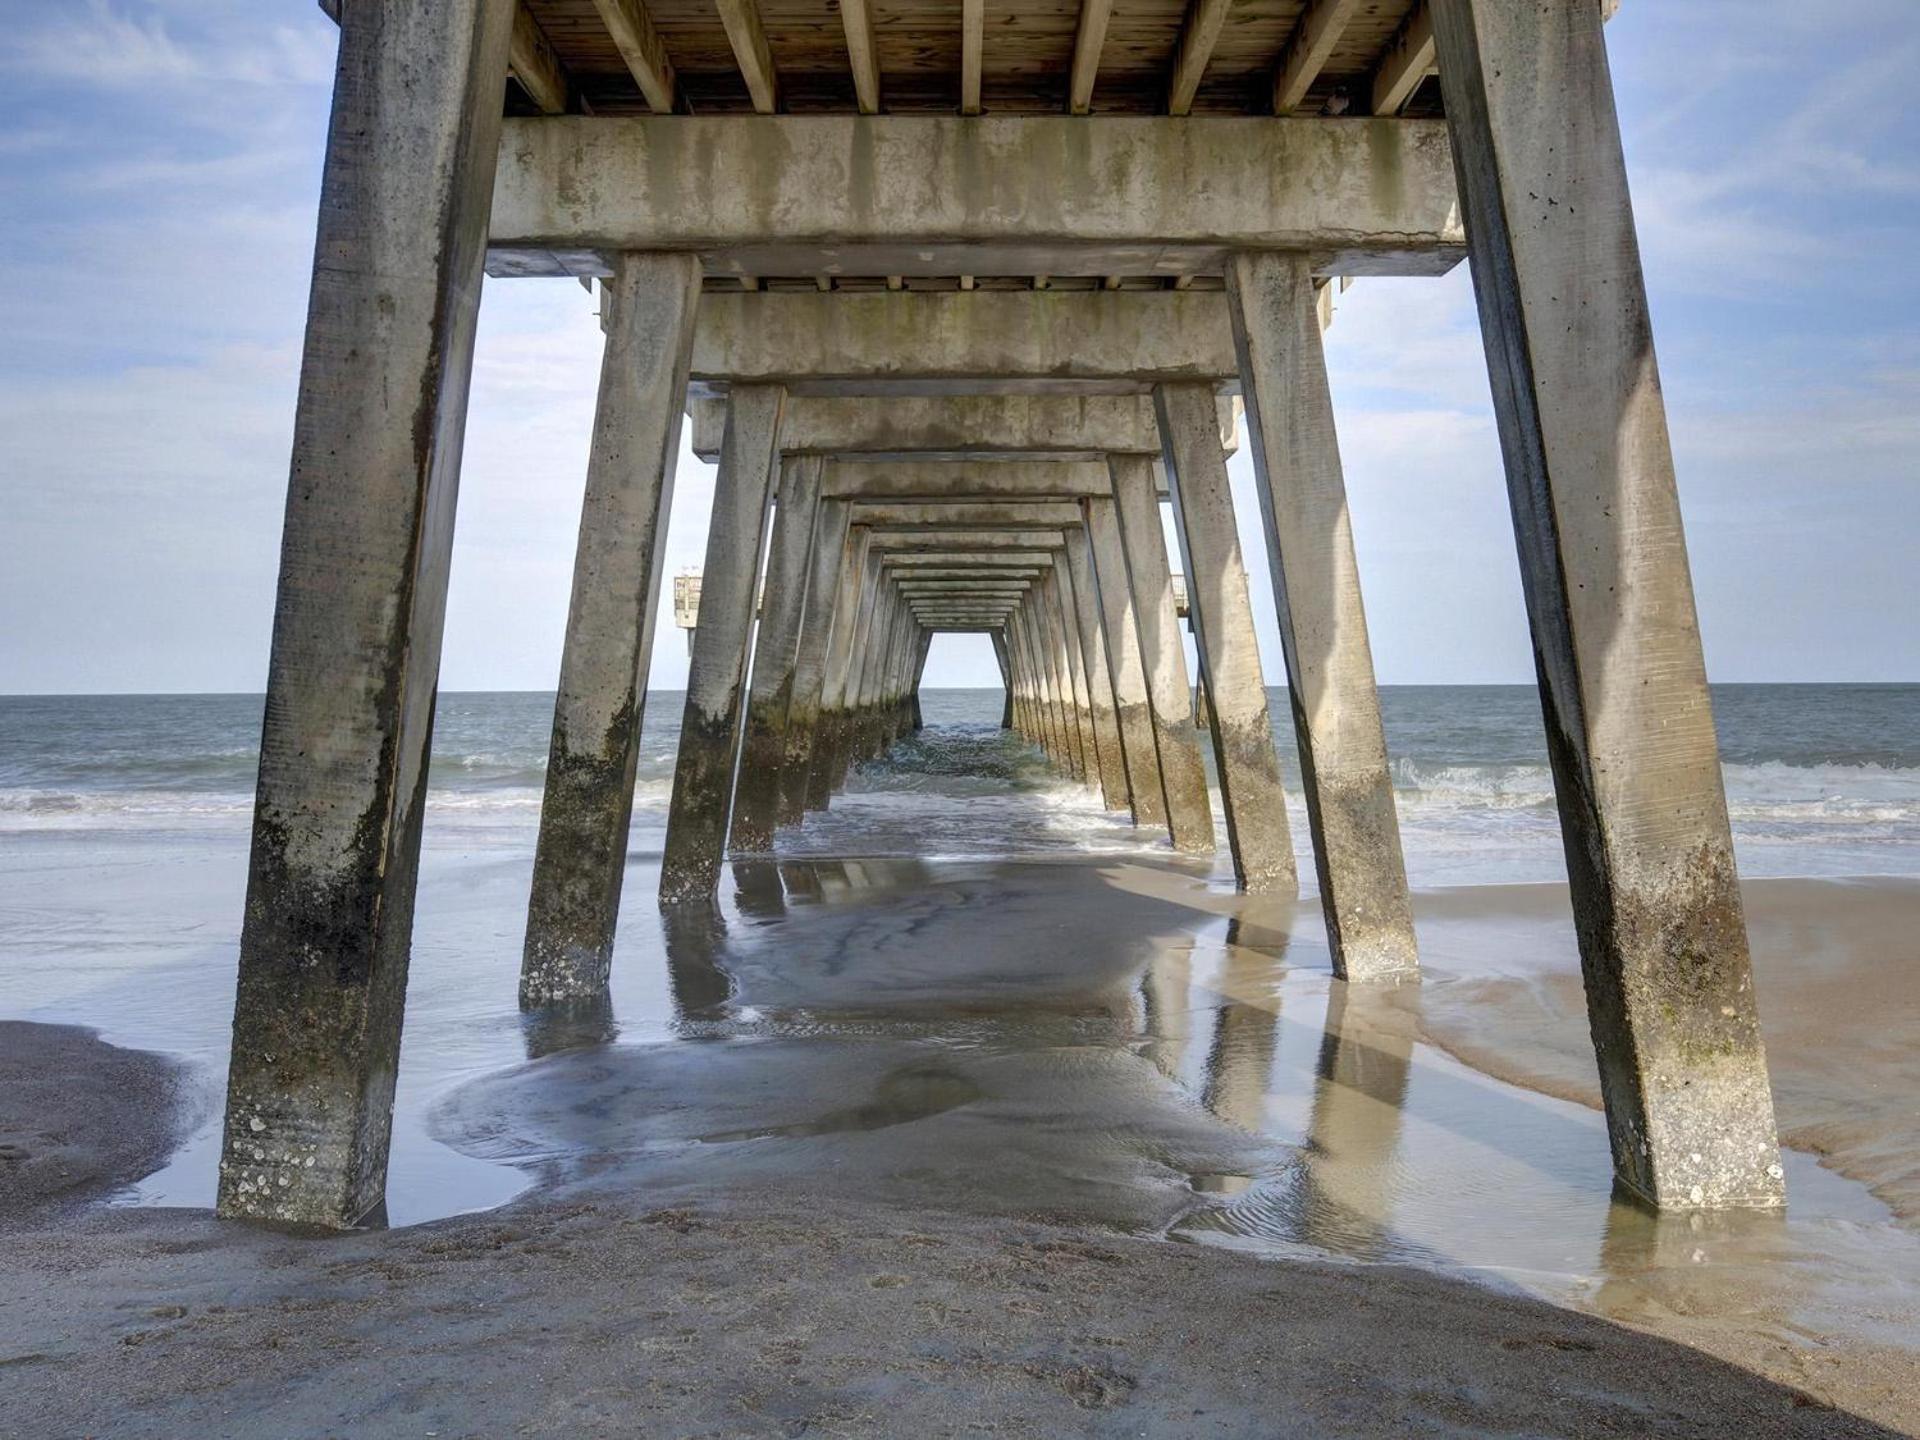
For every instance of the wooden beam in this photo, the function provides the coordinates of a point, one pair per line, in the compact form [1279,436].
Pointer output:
[1408,61]
[751,53]
[857,20]
[1087,46]
[531,59]
[640,45]
[973,44]
[1201,33]
[1306,54]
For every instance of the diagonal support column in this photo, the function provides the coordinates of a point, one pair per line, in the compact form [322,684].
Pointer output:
[1121,636]
[1603,561]
[1323,625]
[824,767]
[756,808]
[1242,729]
[829,554]
[368,536]
[710,730]
[581,857]
[1114,791]
[999,640]
[1182,773]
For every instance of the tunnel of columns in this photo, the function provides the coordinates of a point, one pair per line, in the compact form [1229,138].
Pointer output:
[953,308]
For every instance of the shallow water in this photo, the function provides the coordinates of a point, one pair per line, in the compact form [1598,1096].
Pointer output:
[1013,1004]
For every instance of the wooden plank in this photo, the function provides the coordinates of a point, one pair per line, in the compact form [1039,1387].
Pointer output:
[1408,61]
[750,51]
[531,60]
[973,44]
[857,20]
[1306,54]
[1087,45]
[1197,39]
[631,27]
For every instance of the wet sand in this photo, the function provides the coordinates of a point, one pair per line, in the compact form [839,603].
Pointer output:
[80,1119]
[600,1316]
[1836,967]
[913,1148]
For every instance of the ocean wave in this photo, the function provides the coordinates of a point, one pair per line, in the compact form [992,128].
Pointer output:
[1768,796]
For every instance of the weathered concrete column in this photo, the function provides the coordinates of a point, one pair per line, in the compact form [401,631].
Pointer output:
[581,857]
[1053,615]
[1323,625]
[823,768]
[923,645]
[1222,611]
[1079,683]
[1603,560]
[405,195]
[1114,790]
[1050,736]
[828,555]
[1121,637]
[999,640]
[1183,776]
[710,730]
[1017,666]
[756,808]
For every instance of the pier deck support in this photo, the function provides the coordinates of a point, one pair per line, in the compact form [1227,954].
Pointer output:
[1086,754]
[405,196]
[999,639]
[709,732]
[756,808]
[1217,597]
[1323,625]
[1556,268]
[1183,775]
[1121,636]
[823,768]
[829,552]
[1114,791]
[581,856]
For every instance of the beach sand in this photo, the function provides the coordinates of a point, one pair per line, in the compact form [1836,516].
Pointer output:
[1836,969]
[911,1159]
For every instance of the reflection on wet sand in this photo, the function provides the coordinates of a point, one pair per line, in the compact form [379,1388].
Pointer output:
[1119,1044]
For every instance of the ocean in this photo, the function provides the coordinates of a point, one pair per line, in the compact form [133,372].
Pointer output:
[1822,780]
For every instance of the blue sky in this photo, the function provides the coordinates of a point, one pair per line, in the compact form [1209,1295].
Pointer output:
[159,166]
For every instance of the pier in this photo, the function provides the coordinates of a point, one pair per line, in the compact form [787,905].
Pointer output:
[956,308]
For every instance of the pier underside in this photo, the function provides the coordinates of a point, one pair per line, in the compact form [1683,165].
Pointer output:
[956,302]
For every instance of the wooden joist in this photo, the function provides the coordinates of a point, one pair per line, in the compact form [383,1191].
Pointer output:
[1408,61]
[973,44]
[1087,45]
[1307,52]
[1197,38]
[750,51]
[533,63]
[857,20]
[633,33]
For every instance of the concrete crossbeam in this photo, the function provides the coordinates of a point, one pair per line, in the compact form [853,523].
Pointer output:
[947,195]
[947,540]
[925,479]
[1000,342]
[966,514]
[958,427]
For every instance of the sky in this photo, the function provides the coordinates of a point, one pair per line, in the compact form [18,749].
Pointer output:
[159,170]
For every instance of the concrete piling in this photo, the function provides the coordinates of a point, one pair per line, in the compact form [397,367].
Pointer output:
[1603,563]
[1183,776]
[581,856]
[710,728]
[756,806]
[1323,625]
[405,194]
